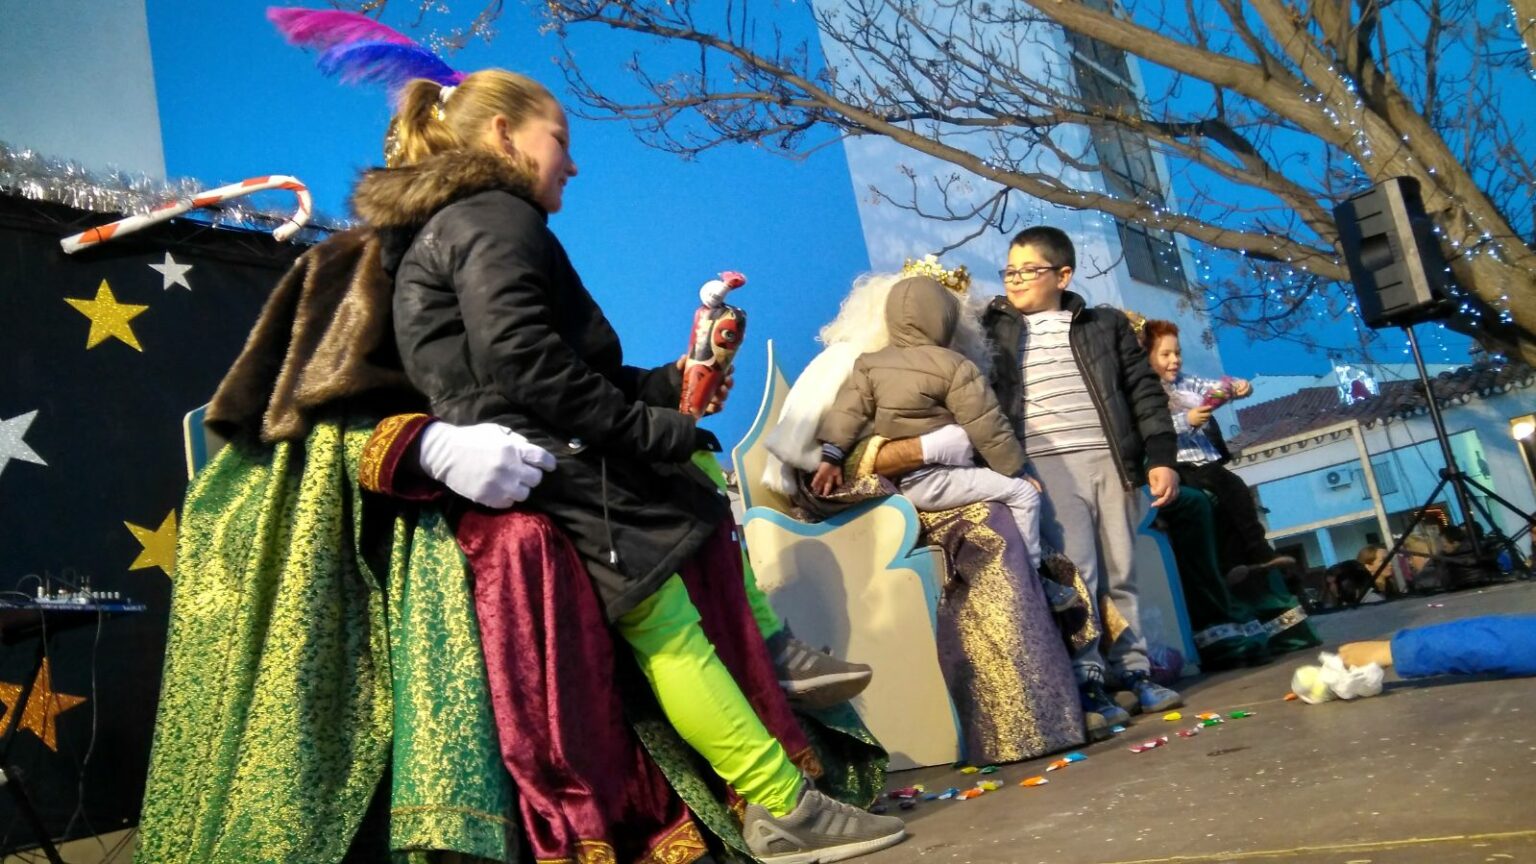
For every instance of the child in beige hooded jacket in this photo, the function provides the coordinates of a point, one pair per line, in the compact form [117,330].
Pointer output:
[916,385]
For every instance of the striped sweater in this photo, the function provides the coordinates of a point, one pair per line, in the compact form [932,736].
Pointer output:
[1059,414]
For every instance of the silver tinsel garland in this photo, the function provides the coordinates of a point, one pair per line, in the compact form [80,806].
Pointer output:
[30,175]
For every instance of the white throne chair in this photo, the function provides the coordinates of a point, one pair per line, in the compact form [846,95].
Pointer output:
[861,584]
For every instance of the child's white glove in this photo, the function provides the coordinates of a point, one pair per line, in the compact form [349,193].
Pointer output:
[487,463]
[947,445]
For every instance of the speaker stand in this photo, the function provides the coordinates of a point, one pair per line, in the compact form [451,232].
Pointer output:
[1452,475]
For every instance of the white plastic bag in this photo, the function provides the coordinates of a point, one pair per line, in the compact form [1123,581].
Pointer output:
[1331,679]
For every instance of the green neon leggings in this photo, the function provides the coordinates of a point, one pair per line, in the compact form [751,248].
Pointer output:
[703,702]
[767,620]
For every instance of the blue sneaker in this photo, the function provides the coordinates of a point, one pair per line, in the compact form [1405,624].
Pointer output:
[1100,713]
[1150,695]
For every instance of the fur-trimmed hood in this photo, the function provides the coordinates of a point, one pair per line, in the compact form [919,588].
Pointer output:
[325,335]
[405,198]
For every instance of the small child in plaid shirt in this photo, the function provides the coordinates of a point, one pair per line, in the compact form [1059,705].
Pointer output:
[1203,452]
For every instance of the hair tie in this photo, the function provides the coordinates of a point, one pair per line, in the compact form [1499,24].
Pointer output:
[443,93]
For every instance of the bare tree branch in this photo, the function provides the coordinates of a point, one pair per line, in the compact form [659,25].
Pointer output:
[1263,113]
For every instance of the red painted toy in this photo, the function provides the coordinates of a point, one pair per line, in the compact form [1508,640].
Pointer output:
[717,333]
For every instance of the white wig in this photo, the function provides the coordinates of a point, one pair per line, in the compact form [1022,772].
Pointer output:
[860,319]
[858,328]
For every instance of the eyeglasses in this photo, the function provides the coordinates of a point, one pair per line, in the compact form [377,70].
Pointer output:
[1025,274]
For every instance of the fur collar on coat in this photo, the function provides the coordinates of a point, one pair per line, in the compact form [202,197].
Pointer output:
[325,334]
[407,197]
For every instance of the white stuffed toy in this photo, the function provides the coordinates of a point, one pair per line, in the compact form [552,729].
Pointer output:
[1333,680]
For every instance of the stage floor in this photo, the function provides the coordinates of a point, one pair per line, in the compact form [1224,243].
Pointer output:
[1440,771]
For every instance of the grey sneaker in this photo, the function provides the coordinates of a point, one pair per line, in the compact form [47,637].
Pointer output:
[815,679]
[1097,727]
[1150,695]
[817,831]
[1096,701]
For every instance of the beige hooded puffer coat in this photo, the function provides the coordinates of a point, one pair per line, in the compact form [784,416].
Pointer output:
[917,384]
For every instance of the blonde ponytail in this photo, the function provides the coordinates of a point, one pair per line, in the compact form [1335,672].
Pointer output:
[432,119]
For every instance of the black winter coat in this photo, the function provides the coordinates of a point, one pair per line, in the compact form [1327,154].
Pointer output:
[1133,406]
[493,324]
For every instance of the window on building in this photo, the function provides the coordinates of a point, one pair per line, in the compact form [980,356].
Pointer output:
[1126,160]
[1386,480]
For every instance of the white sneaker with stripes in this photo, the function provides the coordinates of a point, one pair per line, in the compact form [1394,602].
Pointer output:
[817,831]
[815,679]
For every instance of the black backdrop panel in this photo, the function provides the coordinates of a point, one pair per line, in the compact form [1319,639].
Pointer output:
[108,425]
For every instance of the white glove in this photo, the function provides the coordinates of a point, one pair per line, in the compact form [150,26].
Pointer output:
[948,445]
[487,463]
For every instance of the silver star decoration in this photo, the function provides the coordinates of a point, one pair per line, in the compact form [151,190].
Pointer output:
[11,444]
[172,273]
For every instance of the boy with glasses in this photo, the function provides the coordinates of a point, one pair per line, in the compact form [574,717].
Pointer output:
[1094,420]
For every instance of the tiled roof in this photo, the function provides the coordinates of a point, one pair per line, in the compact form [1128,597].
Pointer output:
[1314,407]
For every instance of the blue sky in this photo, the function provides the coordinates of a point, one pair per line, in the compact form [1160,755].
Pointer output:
[644,228]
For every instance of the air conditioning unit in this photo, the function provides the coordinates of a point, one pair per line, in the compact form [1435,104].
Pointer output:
[1338,479]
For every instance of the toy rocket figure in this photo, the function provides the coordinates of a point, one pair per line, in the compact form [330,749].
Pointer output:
[717,333]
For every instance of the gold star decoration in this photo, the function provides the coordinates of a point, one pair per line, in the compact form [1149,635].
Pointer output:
[159,545]
[109,318]
[40,716]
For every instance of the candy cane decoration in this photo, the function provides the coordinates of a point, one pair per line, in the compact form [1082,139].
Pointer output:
[171,209]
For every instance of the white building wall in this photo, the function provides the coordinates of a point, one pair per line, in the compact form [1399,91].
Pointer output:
[79,84]
[893,234]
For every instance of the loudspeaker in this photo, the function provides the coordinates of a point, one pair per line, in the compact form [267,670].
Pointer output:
[1393,257]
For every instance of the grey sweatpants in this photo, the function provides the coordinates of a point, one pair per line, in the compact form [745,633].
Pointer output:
[940,487]
[1089,515]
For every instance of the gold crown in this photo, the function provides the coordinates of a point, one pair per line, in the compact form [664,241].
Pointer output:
[1138,321]
[957,280]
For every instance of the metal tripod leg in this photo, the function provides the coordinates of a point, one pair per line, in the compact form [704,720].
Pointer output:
[1494,534]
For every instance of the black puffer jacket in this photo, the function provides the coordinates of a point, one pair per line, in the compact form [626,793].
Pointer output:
[493,324]
[1133,407]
